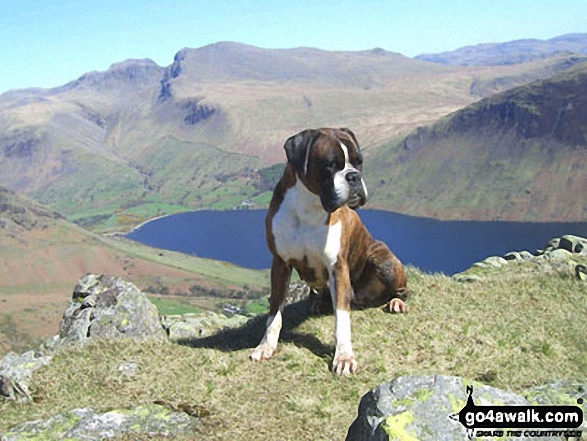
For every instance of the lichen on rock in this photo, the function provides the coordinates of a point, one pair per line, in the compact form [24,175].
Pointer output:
[86,424]
[107,307]
[418,408]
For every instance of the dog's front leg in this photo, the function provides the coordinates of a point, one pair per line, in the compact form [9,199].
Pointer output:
[340,287]
[280,277]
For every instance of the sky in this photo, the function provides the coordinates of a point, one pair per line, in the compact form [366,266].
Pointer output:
[46,43]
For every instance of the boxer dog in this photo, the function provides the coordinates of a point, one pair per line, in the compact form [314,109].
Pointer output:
[312,227]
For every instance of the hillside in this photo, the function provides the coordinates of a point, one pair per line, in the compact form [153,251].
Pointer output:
[42,254]
[517,155]
[114,148]
[516,328]
[511,52]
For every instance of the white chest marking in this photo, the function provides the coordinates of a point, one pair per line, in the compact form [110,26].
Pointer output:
[300,229]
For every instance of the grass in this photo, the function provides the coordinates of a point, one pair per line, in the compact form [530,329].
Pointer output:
[174,306]
[216,271]
[513,330]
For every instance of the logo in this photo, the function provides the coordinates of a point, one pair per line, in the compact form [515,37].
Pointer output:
[528,421]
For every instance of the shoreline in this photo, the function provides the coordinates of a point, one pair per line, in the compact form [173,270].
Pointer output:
[136,227]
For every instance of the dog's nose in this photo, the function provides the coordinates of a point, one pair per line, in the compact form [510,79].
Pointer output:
[353,178]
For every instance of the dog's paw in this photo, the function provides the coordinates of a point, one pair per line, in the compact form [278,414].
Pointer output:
[344,365]
[263,352]
[396,306]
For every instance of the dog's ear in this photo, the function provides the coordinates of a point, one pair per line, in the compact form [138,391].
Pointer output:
[297,149]
[352,135]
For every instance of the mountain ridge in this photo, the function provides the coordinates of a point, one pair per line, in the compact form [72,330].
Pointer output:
[111,149]
[511,52]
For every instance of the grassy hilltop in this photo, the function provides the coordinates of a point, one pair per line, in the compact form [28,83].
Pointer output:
[517,327]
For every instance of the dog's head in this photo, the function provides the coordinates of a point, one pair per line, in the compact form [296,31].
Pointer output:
[329,164]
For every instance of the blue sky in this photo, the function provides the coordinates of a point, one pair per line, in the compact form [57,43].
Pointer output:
[47,43]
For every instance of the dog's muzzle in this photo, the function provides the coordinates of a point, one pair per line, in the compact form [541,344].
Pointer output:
[357,189]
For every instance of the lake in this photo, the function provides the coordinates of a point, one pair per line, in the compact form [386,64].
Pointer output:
[434,246]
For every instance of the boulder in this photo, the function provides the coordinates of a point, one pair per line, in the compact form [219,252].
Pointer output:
[573,244]
[419,408]
[142,422]
[16,373]
[108,307]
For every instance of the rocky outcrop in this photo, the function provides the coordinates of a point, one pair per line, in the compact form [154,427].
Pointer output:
[419,407]
[196,111]
[140,423]
[101,307]
[108,307]
[104,306]
[18,213]
[567,254]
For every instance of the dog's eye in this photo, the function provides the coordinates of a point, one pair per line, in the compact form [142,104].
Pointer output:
[331,164]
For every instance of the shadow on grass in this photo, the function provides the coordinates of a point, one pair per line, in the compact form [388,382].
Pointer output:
[250,334]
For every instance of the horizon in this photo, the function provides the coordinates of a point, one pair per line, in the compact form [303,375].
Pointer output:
[52,43]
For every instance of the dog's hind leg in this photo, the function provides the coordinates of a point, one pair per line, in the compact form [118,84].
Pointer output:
[382,282]
[280,277]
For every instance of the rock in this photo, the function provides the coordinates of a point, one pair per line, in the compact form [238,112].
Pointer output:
[16,373]
[418,408]
[573,244]
[518,256]
[558,393]
[146,420]
[561,393]
[199,325]
[559,255]
[553,243]
[526,255]
[128,370]
[495,261]
[108,307]
[513,255]
[470,278]
[298,291]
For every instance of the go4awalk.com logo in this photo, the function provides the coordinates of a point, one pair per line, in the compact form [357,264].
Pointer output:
[517,421]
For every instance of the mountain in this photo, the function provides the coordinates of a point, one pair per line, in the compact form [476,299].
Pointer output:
[517,155]
[42,254]
[112,149]
[139,140]
[511,52]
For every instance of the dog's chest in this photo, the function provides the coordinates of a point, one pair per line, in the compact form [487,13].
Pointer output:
[302,233]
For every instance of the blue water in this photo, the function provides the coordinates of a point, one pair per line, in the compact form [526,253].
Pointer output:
[433,246]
